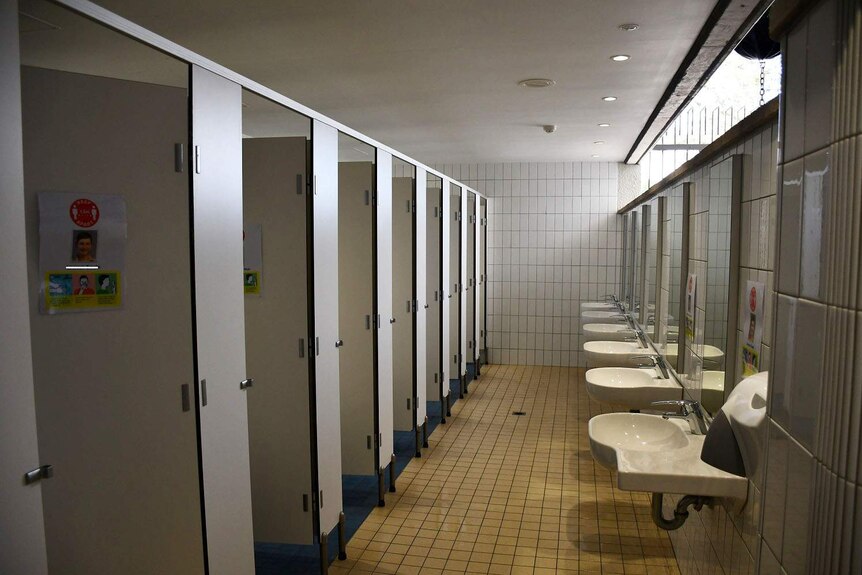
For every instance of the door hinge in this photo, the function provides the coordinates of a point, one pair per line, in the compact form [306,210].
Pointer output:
[300,189]
[435,377]
[185,397]
[203,392]
[368,443]
[179,158]
[379,440]
[197,159]
[305,502]
[367,322]
[321,498]
[367,198]
[408,403]
[301,347]
[38,474]
[435,211]
[413,206]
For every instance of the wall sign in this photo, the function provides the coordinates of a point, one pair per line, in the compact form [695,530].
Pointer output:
[252,259]
[82,243]
[751,322]
[690,306]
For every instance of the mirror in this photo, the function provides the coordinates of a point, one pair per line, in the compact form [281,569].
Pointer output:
[673,249]
[637,262]
[623,295]
[647,314]
[716,300]
[633,252]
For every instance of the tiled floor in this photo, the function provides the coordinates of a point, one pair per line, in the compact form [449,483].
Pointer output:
[506,494]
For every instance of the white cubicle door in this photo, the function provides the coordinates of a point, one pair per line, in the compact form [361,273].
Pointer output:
[453,360]
[276,335]
[432,293]
[220,321]
[356,306]
[324,142]
[383,195]
[403,261]
[465,222]
[420,263]
[470,288]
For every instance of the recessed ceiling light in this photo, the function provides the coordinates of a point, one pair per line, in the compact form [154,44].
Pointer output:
[620,57]
[610,99]
[604,125]
[594,156]
[599,142]
[537,83]
[628,27]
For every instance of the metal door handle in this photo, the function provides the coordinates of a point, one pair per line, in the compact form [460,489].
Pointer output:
[34,475]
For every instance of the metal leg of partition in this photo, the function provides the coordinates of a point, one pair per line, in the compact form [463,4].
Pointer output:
[324,553]
[425,432]
[460,388]
[392,475]
[381,488]
[448,406]
[342,538]
[465,384]
[416,433]
[444,409]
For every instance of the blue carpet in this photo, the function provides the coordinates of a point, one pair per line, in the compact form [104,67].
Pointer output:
[359,493]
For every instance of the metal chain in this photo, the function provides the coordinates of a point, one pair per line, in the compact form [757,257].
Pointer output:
[762,81]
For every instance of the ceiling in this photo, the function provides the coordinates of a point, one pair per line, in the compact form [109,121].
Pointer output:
[437,80]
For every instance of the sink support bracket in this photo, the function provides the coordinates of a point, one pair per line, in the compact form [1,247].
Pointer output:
[680,513]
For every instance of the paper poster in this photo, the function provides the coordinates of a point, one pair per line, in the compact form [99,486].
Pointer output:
[690,305]
[751,322]
[252,259]
[82,243]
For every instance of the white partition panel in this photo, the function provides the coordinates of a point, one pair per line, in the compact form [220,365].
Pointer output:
[324,142]
[470,287]
[22,548]
[220,321]
[446,295]
[481,246]
[358,433]
[403,255]
[465,222]
[421,295]
[383,194]
[276,321]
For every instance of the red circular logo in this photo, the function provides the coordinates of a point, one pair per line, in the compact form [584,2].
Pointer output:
[84,212]
[752,299]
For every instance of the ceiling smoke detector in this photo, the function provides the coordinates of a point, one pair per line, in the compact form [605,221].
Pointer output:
[549,128]
[537,83]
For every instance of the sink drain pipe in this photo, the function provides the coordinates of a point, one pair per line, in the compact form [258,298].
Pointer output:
[680,514]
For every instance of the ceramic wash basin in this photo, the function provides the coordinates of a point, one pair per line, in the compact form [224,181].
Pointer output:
[712,356]
[615,353]
[607,332]
[658,455]
[598,306]
[712,391]
[609,316]
[630,388]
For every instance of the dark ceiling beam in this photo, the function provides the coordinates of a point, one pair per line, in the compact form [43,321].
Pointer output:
[728,23]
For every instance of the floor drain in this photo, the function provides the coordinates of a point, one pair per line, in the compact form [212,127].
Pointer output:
[519,413]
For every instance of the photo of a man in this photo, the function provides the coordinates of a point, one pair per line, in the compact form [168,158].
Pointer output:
[84,286]
[107,284]
[84,245]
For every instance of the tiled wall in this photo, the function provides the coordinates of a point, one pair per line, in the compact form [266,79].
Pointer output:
[812,510]
[724,540]
[553,242]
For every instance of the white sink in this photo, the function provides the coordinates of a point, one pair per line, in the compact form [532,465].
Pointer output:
[615,353]
[630,388]
[712,356]
[658,455]
[712,391]
[607,332]
[598,306]
[603,316]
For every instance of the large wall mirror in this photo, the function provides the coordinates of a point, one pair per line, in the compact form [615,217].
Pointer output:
[673,249]
[651,268]
[634,299]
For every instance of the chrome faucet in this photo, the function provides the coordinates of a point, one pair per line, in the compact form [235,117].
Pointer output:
[698,420]
[657,362]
